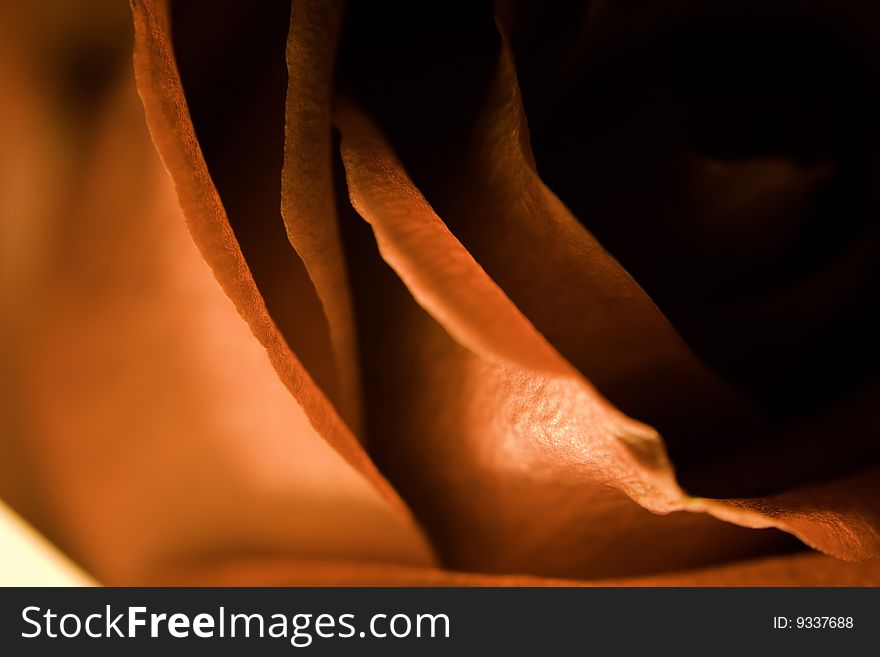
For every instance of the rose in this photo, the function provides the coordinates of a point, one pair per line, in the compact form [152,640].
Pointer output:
[451,344]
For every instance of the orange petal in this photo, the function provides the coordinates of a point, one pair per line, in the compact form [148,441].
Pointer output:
[229,59]
[839,517]
[794,570]
[307,201]
[509,456]
[172,132]
[571,431]
[786,332]
[580,299]
[148,425]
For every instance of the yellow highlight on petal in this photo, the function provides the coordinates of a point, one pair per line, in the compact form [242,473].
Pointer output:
[28,559]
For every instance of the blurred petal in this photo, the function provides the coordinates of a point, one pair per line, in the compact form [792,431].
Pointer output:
[148,425]
[794,570]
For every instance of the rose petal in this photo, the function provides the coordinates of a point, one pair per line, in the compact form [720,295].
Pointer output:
[172,132]
[230,61]
[512,460]
[576,294]
[149,428]
[453,288]
[766,263]
[839,517]
[794,570]
[307,200]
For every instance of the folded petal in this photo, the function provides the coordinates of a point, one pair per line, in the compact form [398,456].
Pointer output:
[229,70]
[580,299]
[173,133]
[512,460]
[724,152]
[542,411]
[308,202]
[148,426]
